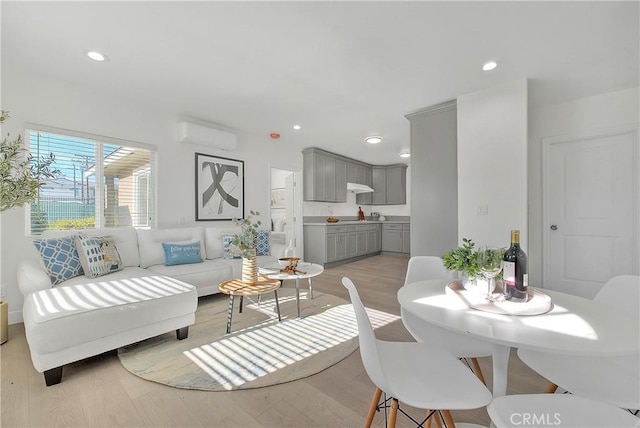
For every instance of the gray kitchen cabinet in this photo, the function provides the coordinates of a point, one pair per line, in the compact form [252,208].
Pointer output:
[340,183]
[396,238]
[325,176]
[379,185]
[325,244]
[396,185]
[373,241]
[390,185]
[406,238]
[352,244]
[367,179]
[331,253]
[392,238]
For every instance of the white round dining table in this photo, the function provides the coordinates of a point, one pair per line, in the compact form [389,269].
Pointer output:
[573,326]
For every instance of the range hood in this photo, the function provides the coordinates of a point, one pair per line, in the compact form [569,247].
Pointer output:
[358,188]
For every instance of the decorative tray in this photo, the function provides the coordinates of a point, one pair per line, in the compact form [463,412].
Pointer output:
[537,302]
[332,220]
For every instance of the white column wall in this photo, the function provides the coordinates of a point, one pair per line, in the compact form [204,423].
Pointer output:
[434,201]
[492,164]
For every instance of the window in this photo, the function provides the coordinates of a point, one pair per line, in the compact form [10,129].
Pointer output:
[103,182]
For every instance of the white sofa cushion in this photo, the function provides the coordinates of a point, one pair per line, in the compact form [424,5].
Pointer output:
[206,276]
[63,317]
[150,243]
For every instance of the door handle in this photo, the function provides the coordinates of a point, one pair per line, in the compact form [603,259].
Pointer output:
[554,227]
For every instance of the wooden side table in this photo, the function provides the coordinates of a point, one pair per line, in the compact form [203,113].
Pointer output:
[235,287]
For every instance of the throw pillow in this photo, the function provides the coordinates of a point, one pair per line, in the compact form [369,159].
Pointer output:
[262,243]
[60,258]
[182,254]
[229,251]
[98,255]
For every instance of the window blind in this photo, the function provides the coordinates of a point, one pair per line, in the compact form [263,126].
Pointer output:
[101,184]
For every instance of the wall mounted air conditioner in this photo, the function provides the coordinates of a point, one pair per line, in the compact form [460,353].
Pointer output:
[199,134]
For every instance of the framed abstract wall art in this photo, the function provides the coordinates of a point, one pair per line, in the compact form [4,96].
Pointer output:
[219,188]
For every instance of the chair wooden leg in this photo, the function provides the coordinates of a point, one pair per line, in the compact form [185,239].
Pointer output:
[373,407]
[477,370]
[393,414]
[438,420]
[448,419]
[551,388]
[434,417]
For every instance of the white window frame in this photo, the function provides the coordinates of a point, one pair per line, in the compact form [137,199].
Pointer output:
[100,141]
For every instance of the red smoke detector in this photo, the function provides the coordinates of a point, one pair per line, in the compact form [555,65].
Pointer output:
[274,135]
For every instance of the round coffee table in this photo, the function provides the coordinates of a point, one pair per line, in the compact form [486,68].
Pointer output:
[235,287]
[304,270]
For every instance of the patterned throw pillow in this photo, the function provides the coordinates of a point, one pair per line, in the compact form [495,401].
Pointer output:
[182,254]
[60,258]
[229,251]
[262,243]
[98,255]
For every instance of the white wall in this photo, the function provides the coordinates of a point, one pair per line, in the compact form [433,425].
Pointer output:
[31,98]
[492,164]
[581,116]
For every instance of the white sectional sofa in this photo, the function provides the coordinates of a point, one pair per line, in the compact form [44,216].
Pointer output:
[83,317]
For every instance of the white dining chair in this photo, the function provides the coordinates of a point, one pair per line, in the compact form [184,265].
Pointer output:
[614,380]
[413,373]
[557,410]
[462,346]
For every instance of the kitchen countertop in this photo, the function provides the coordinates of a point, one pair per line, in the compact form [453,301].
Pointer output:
[349,222]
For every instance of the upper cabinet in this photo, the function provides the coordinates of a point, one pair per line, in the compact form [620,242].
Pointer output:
[326,176]
[390,185]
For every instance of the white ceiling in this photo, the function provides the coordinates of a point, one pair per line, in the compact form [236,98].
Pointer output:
[342,70]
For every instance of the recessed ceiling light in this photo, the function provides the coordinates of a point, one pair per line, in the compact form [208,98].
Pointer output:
[97,56]
[296,127]
[405,155]
[488,66]
[374,139]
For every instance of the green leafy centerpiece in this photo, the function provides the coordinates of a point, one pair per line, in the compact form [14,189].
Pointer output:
[463,259]
[245,242]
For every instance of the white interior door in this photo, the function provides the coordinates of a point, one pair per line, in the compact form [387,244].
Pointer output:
[289,211]
[591,211]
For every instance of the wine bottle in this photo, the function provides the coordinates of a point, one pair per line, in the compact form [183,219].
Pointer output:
[514,274]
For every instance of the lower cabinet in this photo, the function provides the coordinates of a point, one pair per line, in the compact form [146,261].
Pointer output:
[327,244]
[396,238]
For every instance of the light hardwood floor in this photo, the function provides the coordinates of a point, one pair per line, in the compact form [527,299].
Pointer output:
[100,392]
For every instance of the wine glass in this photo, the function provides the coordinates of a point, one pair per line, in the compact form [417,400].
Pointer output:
[490,264]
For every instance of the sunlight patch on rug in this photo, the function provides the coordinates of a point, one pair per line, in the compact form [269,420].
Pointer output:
[264,352]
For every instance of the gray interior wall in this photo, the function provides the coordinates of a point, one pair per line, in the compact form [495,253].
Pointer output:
[434,193]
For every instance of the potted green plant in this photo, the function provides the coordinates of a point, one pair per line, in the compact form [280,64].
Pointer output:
[463,260]
[21,175]
[245,242]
